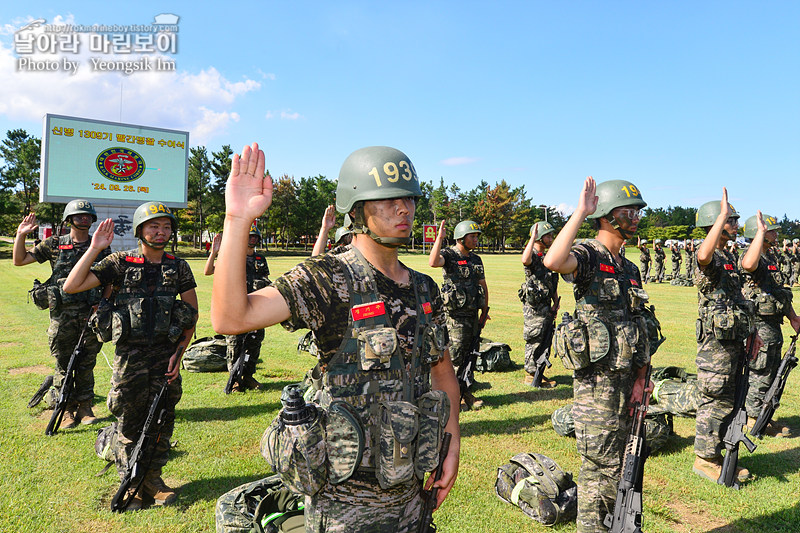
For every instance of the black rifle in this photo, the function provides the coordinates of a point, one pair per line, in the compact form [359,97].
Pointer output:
[426,524]
[772,400]
[140,457]
[627,516]
[543,351]
[66,386]
[736,429]
[466,372]
[239,364]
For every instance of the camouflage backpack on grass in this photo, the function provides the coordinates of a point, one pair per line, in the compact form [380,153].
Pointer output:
[263,506]
[206,355]
[537,485]
[494,357]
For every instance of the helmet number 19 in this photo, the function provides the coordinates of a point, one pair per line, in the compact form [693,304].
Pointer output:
[392,173]
[631,191]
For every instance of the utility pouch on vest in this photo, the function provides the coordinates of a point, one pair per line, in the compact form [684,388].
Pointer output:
[120,325]
[39,294]
[434,412]
[638,297]
[453,298]
[53,297]
[728,323]
[434,343]
[627,335]
[768,305]
[344,441]
[101,320]
[398,429]
[533,292]
[609,290]
[137,316]
[297,453]
[183,317]
[91,297]
[376,347]
[572,344]
[599,339]
[162,314]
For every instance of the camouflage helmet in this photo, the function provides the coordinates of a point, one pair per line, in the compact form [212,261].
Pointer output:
[697,241]
[340,232]
[375,173]
[708,212]
[751,225]
[616,193]
[465,227]
[79,207]
[644,241]
[254,231]
[149,211]
[795,241]
[658,242]
[542,229]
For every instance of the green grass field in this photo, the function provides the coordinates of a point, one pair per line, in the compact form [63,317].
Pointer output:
[49,483]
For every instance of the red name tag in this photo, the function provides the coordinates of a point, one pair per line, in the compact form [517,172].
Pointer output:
[131,259]
[426,307]
[540,254]
[169,256]
[607,268]
[464,262]
[772,267]
[634,283]
[363,311]
[728,266]
[65,247]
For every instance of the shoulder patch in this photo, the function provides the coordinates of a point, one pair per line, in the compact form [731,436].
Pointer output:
[169,256]
[65,247]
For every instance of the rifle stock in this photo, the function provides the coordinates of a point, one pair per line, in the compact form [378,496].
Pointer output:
[66,387]
[772,399]
[426,524]
[237,370]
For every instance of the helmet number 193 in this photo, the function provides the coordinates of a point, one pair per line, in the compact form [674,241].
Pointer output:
[392,173]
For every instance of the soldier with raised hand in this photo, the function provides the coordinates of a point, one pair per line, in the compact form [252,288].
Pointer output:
[677,259]
[68,312]
[644,258]
[257,275]
[610,378]
[772,302]
[724,323]
[539,295]
[464,292]
[658,261]
[342,237]
[379,327]
[795,262]
[151,330]
[688,245]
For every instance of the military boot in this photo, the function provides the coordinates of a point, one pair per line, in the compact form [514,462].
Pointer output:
[251,383]
[773,429]
[69,420]
[528,380]
[136,503]
[469,402]
[155,487]
[712,468]
[85,413]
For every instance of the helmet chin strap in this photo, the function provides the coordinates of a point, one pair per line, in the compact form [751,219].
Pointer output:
[614,224]
[360,226]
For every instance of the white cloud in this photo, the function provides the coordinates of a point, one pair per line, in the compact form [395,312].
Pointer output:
[285,115]
[266,75]
[455,161]
[200,102]
[269,115]
[565,209]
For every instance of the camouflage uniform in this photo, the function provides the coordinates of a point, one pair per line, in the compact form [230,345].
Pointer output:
[676,262]
[463,298]
[602,389]
[318,295]
[690,260]
[537,296]
[257,272]
[141,360]
[644,261]
[658,264]
[69,314]
[772,301]
[786,265]
[795,260]
[723,326]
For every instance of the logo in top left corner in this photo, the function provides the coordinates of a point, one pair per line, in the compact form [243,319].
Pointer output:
[120,164]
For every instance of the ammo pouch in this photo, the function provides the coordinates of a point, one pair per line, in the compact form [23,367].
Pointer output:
[572,344]
[398,427]
[120,325]
[183,317]
[627,337]
[148,319]
[39,294]
[53,297]
[767,305]
[650,326]
[101,320]
[376,348]
[298,453]
[453,297]
[90,297]
[727,322]
[533,292]
[434,342]
[434,412]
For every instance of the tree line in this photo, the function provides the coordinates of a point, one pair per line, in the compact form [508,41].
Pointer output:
[505,213]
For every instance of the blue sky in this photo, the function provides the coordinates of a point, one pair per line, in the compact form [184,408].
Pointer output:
[679,97]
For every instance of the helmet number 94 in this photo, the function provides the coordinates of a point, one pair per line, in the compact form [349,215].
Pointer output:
[631,190]
[158,208]
[392,173]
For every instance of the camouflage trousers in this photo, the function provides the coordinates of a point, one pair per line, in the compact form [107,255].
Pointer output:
[250,342]
[716,384]
[65,329]
[331,516]
[537,320]
[765,367]
[136,379]
[462,329]
[602,424]
[676,268]
[690,267]
[645,270]
[658,271]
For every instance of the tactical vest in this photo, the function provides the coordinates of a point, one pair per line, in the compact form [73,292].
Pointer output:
[63,264]
[645,255]
[257,272]
[461,290]
[723,311]
[144,314]
[767,292]
[540,282]
[659,255]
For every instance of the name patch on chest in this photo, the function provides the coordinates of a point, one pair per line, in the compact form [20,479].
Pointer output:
[607,268]
[772,267]
[462,262]
[65,247]
[362,311]
[728,266]
[137,260]
[634,283]
[426,308]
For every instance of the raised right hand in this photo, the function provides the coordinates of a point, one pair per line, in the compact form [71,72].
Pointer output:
[587,202]
[27,225]
[248,192]
[216,242]
[329,218]
[103,235]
